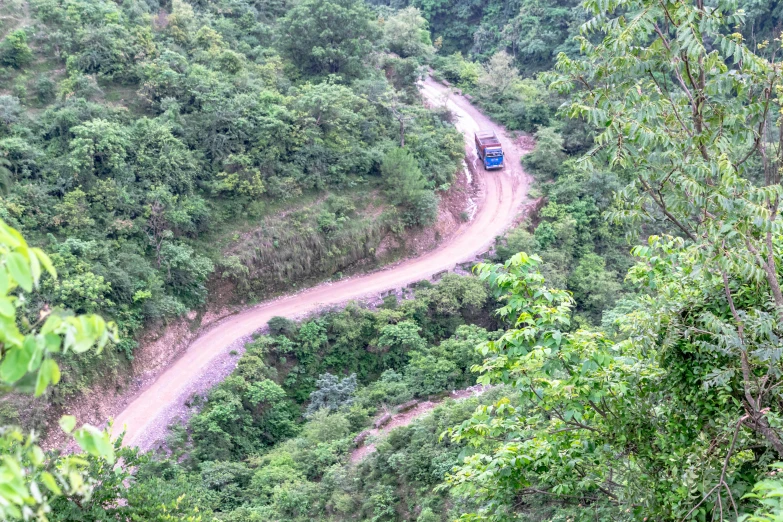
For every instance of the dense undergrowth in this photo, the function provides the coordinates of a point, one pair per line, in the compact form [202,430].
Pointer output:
[624,386]
[155,148]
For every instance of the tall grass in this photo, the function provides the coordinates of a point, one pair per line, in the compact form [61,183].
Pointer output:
[306,245]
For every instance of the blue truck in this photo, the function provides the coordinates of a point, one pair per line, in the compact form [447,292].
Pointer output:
[489,150]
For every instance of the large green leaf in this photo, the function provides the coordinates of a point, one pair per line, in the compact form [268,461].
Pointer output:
[15,363]
[20,270]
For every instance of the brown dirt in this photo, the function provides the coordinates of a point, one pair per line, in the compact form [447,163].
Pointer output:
[199,352]
[405,418]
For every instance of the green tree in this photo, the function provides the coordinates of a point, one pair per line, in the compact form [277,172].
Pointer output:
[161,158]
[711,173]
[396,340]
[14,50]
[594,287]
[406,34]
[458,70]
[100,148]
[329,36]
[407,187]
[547,158]
[539,31]
[498,76]
[332,393]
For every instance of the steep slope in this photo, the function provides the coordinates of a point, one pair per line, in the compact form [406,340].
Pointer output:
[207,359]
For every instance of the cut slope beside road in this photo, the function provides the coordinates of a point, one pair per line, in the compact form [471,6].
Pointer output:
[502,193]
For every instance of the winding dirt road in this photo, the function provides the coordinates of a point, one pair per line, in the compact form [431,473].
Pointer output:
[502,193]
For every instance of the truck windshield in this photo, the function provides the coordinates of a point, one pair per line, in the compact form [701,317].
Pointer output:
[494,153]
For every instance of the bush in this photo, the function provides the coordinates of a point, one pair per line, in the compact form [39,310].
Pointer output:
[548,156]
[407,188]
[10,109]
[281,326]
[458,70]
[391,389]
[14,50]
[332,393]
[326,427]
[430,374]
[422,210]
[45,89]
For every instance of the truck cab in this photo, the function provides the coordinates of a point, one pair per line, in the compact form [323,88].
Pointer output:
[493,158]
[489,150]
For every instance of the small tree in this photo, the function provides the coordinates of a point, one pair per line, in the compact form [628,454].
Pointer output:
[332,393]
[14,50]
[407,188]
[10,109]
[281,326]
[407,34]
[498,76]
[548,155]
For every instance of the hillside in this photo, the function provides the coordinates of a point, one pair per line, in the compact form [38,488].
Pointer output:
[625,334]
[500,201]
[175,160]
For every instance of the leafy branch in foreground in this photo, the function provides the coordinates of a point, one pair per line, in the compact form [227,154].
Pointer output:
[28,479]
[677,419]
[652,425]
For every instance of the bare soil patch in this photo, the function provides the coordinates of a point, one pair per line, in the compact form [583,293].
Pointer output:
[374,435]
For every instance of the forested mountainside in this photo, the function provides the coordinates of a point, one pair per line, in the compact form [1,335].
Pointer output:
[626,336]
[154,150]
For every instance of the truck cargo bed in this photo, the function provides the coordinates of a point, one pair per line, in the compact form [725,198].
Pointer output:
[487,139]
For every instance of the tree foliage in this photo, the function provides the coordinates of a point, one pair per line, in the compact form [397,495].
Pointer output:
[676,418]
[711,174]
[329,36]
[29,365]
[332,393]
[407,34]
[408,188]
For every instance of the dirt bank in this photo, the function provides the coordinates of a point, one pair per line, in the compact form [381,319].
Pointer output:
[372,436]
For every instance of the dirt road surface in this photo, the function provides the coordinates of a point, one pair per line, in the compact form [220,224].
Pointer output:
[502,193]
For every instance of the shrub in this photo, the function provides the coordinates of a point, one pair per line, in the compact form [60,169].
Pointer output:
[14,50]
[281,326]
[407,188]
[45,89]
[332,393]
